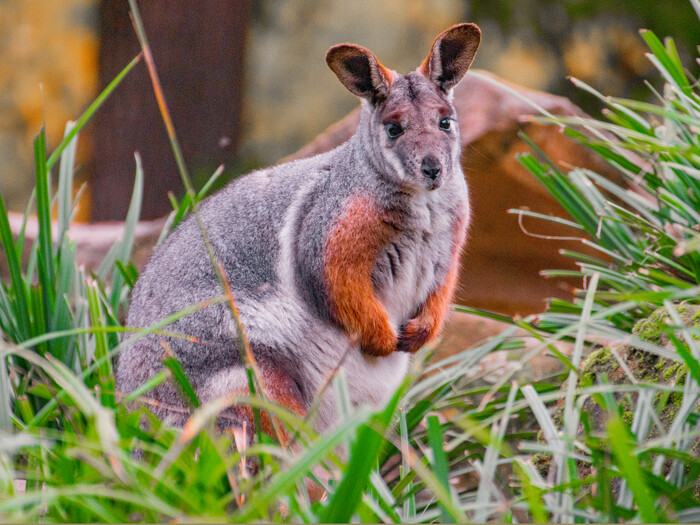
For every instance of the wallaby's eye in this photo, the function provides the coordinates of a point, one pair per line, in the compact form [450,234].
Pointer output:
[445,123]
[393,130]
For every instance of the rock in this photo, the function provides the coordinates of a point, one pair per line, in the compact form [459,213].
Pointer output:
[641,366]
[463,331]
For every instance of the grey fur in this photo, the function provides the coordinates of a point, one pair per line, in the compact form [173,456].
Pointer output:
[269,228]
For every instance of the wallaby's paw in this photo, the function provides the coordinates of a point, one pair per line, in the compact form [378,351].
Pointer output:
[416,333]
[380,343]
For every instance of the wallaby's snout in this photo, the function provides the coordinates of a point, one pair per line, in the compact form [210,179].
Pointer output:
[431,168]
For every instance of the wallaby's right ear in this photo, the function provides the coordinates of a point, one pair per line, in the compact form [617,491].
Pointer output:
[360,71]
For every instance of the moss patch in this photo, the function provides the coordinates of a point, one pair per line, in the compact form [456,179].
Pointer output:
[600,362]
[644,367]
[652,328]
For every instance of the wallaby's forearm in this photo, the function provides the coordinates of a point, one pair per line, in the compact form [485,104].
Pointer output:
[350,254]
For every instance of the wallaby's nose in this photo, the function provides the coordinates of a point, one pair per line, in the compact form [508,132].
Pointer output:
[431,167]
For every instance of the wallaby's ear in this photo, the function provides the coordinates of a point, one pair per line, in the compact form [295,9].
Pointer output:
[359,71]
[451,55]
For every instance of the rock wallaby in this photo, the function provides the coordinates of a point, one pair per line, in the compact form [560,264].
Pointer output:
[351,254]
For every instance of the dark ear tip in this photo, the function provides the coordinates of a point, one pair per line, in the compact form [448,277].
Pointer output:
[452,55]
[469,30]
[339,51]
[332,53]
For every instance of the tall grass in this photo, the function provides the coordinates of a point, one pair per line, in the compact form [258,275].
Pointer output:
[646,234]
[447,446]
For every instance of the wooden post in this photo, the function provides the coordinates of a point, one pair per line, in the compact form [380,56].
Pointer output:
[199,51]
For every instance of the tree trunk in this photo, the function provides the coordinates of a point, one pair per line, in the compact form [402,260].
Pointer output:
[198,49]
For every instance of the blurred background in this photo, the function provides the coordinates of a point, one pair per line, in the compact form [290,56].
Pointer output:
[247,82]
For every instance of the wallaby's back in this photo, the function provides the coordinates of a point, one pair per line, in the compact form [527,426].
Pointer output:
[349,257]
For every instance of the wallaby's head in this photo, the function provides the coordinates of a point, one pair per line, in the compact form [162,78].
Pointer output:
[411,127]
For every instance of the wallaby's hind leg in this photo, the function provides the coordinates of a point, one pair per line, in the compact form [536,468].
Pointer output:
[279,386]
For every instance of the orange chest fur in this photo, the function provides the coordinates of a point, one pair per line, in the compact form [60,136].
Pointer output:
[379,271]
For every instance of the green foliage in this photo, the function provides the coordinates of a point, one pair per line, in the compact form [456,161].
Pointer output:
[53,295]
[447,446]
[645,230]
[647,273]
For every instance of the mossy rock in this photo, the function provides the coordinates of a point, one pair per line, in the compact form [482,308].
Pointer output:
[644,367]
[653,328]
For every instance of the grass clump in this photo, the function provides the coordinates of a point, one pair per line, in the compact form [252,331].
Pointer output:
[628,416]
[445,447]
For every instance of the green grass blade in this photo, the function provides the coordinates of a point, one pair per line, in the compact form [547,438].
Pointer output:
[17,285]
[606,151]
[439,463]
[126,243]
[51,495]
[692,363]
[405,486]
[43,209]
[484,313]
[207,186]
[65,184]
[109,261]
[257,507]
[664,111]
[183,382]
[550,218]
[21,238]
[570,415]
[8,321]
[5,401]
[556,444]
[494,448]
[62,317]
[363,457]
[630,469]
[128,272]
[153,382]
[385,508]
[621,114]
[76,389]
[105,372]
[669,65]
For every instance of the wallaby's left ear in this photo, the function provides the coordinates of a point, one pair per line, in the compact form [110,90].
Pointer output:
[451,55]
[360,71]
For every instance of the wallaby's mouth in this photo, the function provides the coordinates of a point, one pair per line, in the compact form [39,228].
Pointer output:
[433,184]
